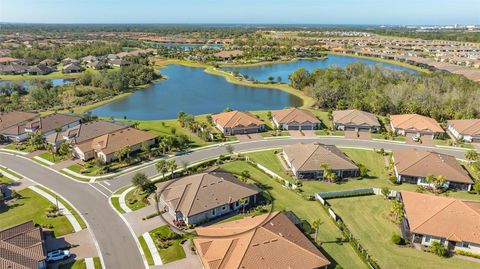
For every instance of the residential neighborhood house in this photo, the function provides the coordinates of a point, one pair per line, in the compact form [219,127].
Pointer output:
[53,123]
[453,223]
[413,166]
[355,120]
[467,130]
[237,122]
[201,197]
[260,242]
[105,146]
[22,246]
[295,119]
[12,124]
[306,160]
[415,124]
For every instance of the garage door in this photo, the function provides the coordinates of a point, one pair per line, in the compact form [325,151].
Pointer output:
[363,129]
[349,128]
[245,131]
[293,127]
[306,127]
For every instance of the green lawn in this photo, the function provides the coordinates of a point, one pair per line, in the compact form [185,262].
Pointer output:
[135,199]
[92,171]
[80,264]
[68,206]
[395,138]
[32,206]
[21,147]
[116,204]
[49,157]
[274,134]
[339,252]
[175,251]
[440,142]
[366,219]
[4,179]
[323,116]
[146,251]
[270,161]
[327,132]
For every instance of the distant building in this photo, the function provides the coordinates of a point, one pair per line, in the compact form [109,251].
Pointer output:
[295,119]
[72,68]
[355,120]
[13,124]
[415,124]
[238,122]
[468,130]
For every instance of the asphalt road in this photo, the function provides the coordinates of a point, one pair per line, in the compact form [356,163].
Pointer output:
[116,243]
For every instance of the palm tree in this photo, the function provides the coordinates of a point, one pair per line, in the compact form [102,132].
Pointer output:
[161,167]
[172,165]
[185,167]
[471,155]
[316,224]
[326,168]
[51,149]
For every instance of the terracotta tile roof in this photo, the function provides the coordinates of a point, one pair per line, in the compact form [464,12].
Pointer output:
[13,123]
[21,247]
[355,117]
[198,193]
[415,122]
[453,219]
[114,141]
[309,157]
[418,163]
[466,127]
[54,121]
[235,119]
[294,115]
[261,242]
[96,128]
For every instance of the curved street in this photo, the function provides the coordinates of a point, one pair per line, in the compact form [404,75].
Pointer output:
[117,245]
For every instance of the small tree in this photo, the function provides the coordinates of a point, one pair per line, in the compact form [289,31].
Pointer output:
[316,225]
[396,211]
[141,181]
[439,249]
[229,149]
[146,148]
[385,192]
[51,149]
[161,167]
[471,155]
[65,149]
[172,166]
[363,170]
[397,239]
[185,167]
[476,186]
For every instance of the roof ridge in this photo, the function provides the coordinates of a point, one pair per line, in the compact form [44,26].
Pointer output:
[313,151]
[196,193]
[435,213]
[292,243]
[463,203]
[231,118]
[417,160]
[248,244]
[289,113]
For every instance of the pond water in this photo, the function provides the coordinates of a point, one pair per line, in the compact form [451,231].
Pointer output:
[26,83]
[283,70]
[193,91]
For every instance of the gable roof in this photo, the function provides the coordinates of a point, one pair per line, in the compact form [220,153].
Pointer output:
[453,219]
[13,123]
[21,247]
[309,157]
[54,121]
[466,127]
[415,122]
[294,115]
[413,162]
[198,193]
[114,141]
[355,117]
[234,119]
[263,242]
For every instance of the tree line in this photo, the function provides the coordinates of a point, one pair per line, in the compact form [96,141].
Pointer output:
[384,91]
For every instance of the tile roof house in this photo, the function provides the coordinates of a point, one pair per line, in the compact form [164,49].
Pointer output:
[119,62]
[452,222]
[200,197]
[52,123]
[355,120]
[468,130]
[22,247]
[258,242]
[237,122]
[104,147]
[295,119]
[413,166]
[305,161]
[12,124]
[416,124]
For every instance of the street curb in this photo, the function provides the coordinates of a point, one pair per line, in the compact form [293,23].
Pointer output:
[121,200]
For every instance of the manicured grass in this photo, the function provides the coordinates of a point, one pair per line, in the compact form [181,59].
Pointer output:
[164,128]
[395,138]
[32,206]
[53,75]
[325,132]
[271,162]
[4,179]
[366,217]
[77,264]
[146,251]
[10,172]
[175,251]
[92,171]
[445,142]
[68,206]
[116,205]
[263,116]
[49,157]
[323,116]
[274,134]
[135,199]
[339,252]
[97,263]
[21,147]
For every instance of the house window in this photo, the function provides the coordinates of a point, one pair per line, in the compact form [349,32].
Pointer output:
[224,207]
[465,245]
[213,212]
[427,239]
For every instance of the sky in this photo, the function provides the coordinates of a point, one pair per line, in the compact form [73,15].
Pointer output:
[377,12]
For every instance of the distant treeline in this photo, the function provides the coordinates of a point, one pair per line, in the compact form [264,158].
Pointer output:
[453,35]
[384,91]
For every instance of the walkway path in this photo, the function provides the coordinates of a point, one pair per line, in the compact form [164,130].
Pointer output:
[153,249]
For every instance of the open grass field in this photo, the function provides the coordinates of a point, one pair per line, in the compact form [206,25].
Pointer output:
[366,217]
[337,251]
[32,206]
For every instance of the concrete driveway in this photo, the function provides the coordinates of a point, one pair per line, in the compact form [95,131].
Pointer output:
[249,137]
[140,226]
[425,140]
[358,135]
[303,133]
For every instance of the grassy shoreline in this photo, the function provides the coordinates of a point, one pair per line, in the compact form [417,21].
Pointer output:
[54,75]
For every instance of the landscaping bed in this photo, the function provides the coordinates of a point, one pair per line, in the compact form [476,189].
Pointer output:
[136,199]
[169,243]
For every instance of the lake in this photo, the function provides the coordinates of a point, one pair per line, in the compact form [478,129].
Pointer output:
[26,83]
[193,91]
[283,70]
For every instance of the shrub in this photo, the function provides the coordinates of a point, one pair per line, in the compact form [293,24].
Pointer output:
[467,253]
[397,239]
[439,249]
[393,179]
